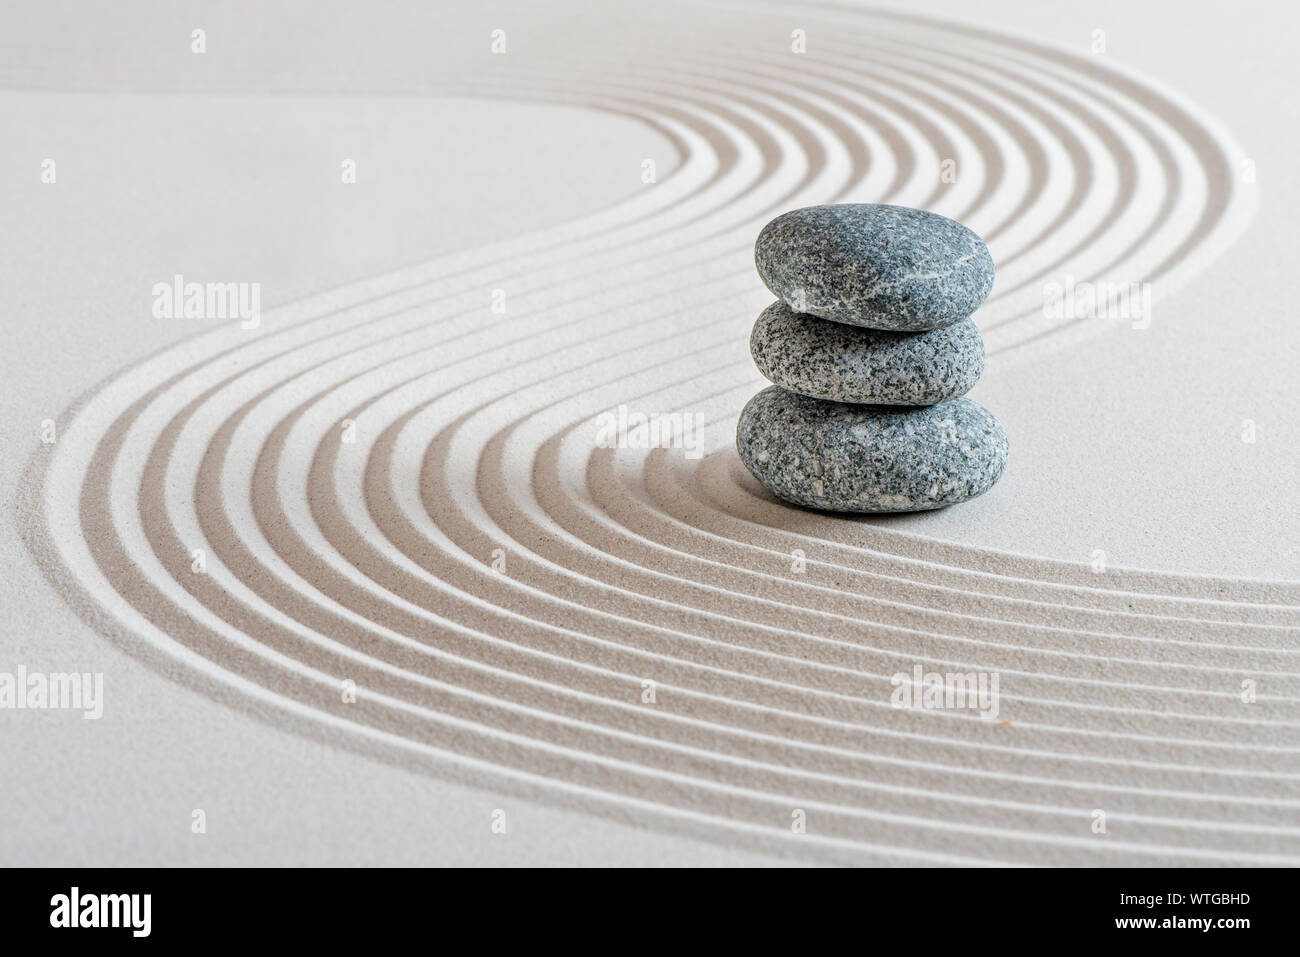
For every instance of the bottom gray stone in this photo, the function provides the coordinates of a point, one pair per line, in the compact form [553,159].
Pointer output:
[843,457]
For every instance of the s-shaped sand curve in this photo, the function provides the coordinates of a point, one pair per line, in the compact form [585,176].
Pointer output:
[395,487]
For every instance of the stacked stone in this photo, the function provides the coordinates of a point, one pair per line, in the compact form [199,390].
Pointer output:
[870,346]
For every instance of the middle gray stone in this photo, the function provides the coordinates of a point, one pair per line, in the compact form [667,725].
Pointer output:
[831,360]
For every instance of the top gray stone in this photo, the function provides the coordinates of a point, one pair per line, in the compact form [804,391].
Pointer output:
[882,267]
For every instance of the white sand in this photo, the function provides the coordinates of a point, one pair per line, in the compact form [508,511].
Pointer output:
[521,688]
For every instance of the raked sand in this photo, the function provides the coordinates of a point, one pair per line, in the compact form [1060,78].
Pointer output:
[637,654]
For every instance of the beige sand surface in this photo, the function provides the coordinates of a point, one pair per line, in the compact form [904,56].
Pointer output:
[395,485]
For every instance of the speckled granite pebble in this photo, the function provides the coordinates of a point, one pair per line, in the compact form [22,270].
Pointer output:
[883,267]
[830,360]
[869,458]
